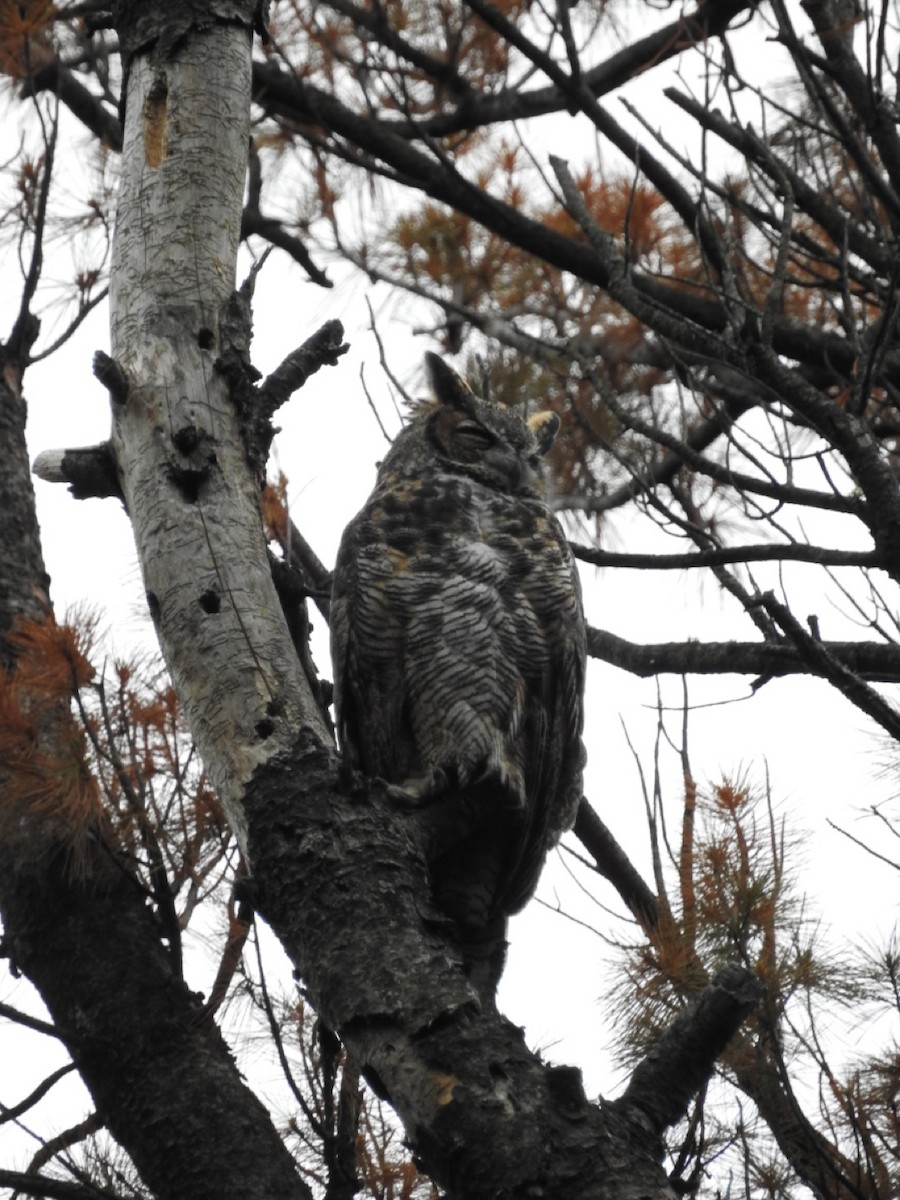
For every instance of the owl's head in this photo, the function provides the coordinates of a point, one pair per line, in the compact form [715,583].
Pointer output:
[492,443]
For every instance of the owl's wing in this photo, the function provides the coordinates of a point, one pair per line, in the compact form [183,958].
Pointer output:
[554,652]
[420,676]
[367,650]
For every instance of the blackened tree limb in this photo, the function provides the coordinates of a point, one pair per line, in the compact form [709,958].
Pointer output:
[844,126]
[477,111]
[16,1110]
[27,1184]
[878,662]
[853,438]
[822,556]
[685,451]
[110,374]
[663,1085]
[82,103]
[297,551]
[683,456]
[834,25]
[667,467]
[323,348]
[691,319]
[488,1118]
[829,216]
[822,661]
[8,1013]
[706,21]
[376,25]
[581,97]
[613,864]
[90,471]
[254,223]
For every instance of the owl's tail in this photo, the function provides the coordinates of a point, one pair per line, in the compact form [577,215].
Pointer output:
[467,882]
[484,956]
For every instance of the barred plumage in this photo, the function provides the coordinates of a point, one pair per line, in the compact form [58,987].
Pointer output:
[459,648]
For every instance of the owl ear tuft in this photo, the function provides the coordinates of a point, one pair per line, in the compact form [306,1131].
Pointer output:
[448,387]
[545,427]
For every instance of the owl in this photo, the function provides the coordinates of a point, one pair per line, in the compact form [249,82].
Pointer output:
[458,645]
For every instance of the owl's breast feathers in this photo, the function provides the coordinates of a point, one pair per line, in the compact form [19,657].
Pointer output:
[459,653]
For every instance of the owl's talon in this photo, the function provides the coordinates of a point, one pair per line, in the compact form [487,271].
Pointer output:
[405,798]
[419,791]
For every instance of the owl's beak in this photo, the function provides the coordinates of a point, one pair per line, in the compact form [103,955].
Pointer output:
[509,466]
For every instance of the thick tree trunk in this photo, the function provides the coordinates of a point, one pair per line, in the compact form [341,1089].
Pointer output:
[192,498]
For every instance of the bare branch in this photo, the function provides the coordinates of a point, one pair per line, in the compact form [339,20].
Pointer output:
[877,662]
[834,25]
[21,1018]
[52,1189]
[663,1085]
[83,104]
[692,320]
[797,552]
[90,471]
[323,348]
[10,1114]
[820,207]
[477,111]
[613,864]
[820,658]
[254,224]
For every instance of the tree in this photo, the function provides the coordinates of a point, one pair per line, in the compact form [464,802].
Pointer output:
[724,338]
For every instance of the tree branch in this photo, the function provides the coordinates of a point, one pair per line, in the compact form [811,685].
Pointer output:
[708,20]
[52,1189]
[614,864]
[83,104]
[822,556]
[10,1114]
[663,1085]
[834,24]
[693,320]
[90,471]
[822,661]
[684,452]
[878,662]
[253,223]
[29,1022]
[755,151]
[323,348]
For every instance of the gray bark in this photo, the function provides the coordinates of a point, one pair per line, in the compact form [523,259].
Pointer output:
[193,501]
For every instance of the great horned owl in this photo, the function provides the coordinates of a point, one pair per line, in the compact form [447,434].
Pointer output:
[458,643]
